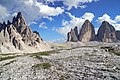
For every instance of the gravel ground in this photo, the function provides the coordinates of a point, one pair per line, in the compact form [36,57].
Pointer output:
[85,63]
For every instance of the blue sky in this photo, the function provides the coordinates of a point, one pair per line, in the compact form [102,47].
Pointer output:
[54,18]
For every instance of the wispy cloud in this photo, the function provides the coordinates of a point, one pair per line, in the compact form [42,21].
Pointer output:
[114,22]
[31,9]
[43,25]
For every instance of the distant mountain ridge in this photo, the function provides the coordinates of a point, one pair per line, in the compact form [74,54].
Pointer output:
[16,36]
[106,33]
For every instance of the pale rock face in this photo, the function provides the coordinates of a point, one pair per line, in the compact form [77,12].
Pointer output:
[87,32]
[106,33]
[72,35]
[19,35]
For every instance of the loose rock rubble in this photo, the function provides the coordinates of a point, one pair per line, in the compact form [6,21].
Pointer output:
[85,63]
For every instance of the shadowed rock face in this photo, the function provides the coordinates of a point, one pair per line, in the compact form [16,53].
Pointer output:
[106,33]
[72,35]
[18,33]
[87,32]
[76,31]
[117,35]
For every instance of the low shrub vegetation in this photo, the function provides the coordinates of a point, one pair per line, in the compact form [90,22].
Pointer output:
[42,65]
[8,57]
[110,49]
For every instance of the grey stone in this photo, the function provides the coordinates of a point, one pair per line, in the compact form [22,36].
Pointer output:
[87,32]
[106,33]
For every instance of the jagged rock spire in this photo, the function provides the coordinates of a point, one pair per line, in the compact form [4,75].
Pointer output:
[106,33]
[8,22]
[19,35]
[72,35]
[76,31]
[19,15]
[87,32]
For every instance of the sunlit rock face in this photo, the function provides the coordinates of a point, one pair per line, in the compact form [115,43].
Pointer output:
[72,36]
[19,35]
[87,32]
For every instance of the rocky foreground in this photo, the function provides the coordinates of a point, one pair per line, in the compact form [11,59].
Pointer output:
[83,63]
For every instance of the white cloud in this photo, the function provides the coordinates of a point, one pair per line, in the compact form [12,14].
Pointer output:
[76,3]
[88,16]
[117,26]
[75,21]
[43,25]
[96,30]
[117,18]
[45,10]
[31,9]
[36,9]
[105,17]
[114,22]
[14,14]
[3,13]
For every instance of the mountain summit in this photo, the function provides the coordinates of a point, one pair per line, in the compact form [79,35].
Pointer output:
[87,33]
[16,36]
[106,33]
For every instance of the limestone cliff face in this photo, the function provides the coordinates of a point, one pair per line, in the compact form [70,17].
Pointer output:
[19,35]
[72,35]
[106,33]
[87,32]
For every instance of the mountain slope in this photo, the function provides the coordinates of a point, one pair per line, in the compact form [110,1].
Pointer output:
[16,36]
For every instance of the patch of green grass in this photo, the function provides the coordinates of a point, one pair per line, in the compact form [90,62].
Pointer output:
[8,57]
[9,63]
[117,53]
[7,54]
[111,50]
[38,57]
[45,53]
[42,65]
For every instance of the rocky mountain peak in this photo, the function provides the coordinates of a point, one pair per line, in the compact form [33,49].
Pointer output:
[106,32]
[72,35]
[19,36]
[76,31]
[87,21]
[87,32]
[8,22]
[19,15]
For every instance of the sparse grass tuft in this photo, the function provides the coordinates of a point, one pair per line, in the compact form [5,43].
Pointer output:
[46,53]
[9,63]
[8,57]
[111,50]
[7,54]
[42,65]
[117,53]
